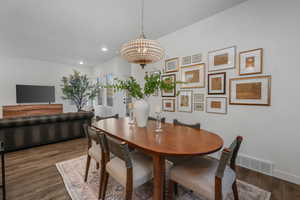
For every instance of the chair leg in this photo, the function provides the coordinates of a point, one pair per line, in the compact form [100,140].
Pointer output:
[128,193]
[88,162]
[102,172]
[171,187]
[235,191]
[175,188]
[105,182]
[129,184]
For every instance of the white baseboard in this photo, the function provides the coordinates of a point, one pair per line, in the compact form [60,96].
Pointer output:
[287,176]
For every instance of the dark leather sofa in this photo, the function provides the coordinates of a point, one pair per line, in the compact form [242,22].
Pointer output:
[24,132]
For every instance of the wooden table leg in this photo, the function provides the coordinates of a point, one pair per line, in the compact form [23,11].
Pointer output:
[3,176]
[159,168]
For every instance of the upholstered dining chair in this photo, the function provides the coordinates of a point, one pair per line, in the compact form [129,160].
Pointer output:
[130,169]
[196,125]
[94,152]
[209,177]
[98,118]
[163,119]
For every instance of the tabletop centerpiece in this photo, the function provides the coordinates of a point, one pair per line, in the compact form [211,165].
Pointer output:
[140,94]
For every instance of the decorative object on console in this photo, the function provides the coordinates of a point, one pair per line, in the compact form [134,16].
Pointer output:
[216,105]
[251,62]
[217,83]
[168,105]
[170,79]
[250,91]
[193,76]
[221,59]
[134,89]
[141,50]
[79,89]
[172,65]
[185,101]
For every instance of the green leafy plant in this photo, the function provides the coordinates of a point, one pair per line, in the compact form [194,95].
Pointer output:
[79,89]
[152,84]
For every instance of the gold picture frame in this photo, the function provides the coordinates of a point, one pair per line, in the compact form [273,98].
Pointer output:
[251,62]
[193,76]
[222,59]
[217,105]
[172,65]
[252,91]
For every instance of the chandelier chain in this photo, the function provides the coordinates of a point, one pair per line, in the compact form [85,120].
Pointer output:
[142,18]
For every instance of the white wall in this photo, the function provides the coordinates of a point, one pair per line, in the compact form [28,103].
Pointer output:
[270,133]
[120,69]
[25,71]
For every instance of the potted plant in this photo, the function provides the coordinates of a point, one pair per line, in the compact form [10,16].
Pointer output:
[79,89]
[135,90]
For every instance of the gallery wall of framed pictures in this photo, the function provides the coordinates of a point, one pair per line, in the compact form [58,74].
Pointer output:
[228,77]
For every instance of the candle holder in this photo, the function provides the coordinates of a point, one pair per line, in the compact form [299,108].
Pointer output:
[158,122]
[131,118]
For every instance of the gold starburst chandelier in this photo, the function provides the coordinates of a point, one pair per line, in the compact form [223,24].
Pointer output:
[141,50]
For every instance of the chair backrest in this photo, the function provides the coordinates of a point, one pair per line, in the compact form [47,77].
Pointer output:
[196,126]
[163,119]
[229,156]
[92,134]
[98,118]
[118,148]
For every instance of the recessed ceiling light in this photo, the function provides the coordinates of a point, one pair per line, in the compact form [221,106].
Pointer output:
[104,49]
[81,63]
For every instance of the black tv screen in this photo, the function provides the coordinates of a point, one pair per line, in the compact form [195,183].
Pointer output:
[35,94]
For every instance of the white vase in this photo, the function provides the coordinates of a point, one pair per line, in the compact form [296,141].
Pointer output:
[141,112]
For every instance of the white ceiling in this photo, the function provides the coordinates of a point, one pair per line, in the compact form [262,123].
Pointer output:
[67,31]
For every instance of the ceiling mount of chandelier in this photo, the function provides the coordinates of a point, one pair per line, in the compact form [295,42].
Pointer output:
[142,50]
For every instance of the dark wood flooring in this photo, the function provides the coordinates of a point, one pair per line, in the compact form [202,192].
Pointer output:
[32,175]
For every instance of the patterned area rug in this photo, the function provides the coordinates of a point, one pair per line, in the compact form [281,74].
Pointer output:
[72,172]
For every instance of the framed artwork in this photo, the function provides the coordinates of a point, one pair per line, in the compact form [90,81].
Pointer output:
[170,78]
[216,105]
[187,60]
[156,72]
[168,105]
[185,102]
[193,76]
[221,59]
[172,65]
[197,58]
[217,83]
[199,107]
[251,62]
[198,97]
[250,91]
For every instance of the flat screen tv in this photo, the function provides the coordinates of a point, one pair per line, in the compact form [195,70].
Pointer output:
[35,94]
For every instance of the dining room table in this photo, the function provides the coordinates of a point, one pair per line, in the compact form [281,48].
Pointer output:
[172,140]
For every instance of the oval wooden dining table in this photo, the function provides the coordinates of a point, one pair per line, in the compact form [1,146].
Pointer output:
[174,140]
